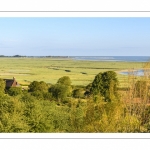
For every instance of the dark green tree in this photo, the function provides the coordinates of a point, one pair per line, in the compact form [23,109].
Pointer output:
[97,85]
[110,85]
[105,84]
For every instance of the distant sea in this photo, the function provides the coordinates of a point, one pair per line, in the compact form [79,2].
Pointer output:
[113,58]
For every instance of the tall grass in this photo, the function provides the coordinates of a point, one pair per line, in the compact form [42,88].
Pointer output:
[50,70]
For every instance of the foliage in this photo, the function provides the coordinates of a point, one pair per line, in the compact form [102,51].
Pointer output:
[28,114]
[110,84]
[47,96]
[38,94]
[78,93]
[38,86]
[2,86]
[14,91]
[97,84]
[60,92]
[65,80]
[141,88]
[88,89]
[11,116]
[62,89]
[105,84]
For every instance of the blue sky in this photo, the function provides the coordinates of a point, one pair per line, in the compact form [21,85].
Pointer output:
[75,36]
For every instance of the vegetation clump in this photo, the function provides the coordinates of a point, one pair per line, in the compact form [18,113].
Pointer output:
[14,91]
[105,84]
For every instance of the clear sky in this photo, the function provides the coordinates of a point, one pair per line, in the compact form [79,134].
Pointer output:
[75,36]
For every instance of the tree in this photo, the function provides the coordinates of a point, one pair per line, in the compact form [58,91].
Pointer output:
[65,80]
[97,85]
[110,84]
[38,86]
[60,92]
[105,84]
[62,89]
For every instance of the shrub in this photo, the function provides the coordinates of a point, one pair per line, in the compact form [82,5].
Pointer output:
[65,80]
[38,86]
[14,91]
[78,93]
[60,92]
[37,94]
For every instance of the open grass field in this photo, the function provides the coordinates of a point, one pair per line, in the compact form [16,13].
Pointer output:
[26,70]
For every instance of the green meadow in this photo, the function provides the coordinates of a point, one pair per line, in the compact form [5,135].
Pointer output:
[49,70]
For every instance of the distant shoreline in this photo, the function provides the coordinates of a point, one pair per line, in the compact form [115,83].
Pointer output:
[90,58]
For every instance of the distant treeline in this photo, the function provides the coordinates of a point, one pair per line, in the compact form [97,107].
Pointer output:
[36,56]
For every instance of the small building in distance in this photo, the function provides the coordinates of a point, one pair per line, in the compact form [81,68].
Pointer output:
[11,83]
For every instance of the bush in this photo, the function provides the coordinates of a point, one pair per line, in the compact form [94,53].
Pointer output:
[38,86]
[14,91]
[65,80]
[60,92]
[37,94]
[78,93]
[47,96]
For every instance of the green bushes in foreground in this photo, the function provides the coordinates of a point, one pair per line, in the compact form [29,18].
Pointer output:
[63,108]
[27,114]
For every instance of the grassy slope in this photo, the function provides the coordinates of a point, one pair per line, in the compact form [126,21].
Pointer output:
[50,70]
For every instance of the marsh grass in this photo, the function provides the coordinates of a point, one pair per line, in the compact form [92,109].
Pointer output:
[26,70]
